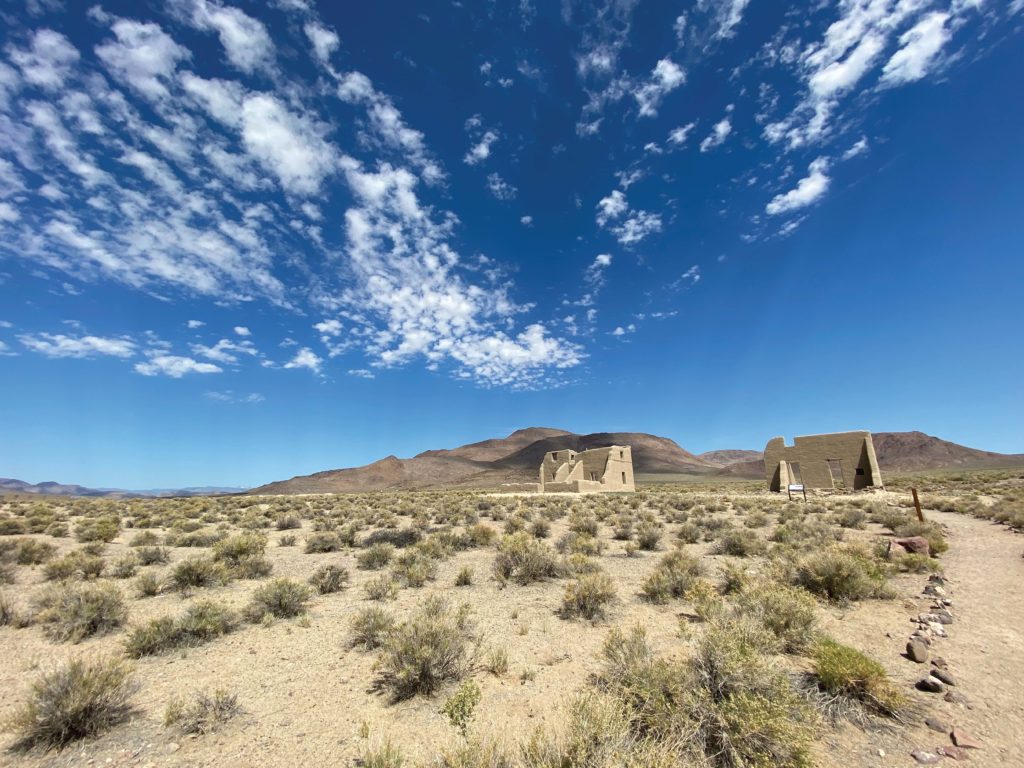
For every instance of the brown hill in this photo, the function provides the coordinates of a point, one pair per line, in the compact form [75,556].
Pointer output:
[910,451]
[499,447]
[651,454]
[725,457]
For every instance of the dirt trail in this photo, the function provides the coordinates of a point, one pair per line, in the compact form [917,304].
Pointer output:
[985,648]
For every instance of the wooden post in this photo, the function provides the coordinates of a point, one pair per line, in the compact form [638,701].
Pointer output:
[917,505]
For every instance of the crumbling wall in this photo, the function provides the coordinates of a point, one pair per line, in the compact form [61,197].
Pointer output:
[594,471]
[854,453]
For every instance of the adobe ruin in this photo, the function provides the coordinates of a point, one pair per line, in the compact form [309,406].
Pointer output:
[841,460]
[599,470]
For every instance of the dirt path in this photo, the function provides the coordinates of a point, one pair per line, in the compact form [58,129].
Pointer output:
[985,648]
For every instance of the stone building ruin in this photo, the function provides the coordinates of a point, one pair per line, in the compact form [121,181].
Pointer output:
[838,461]
[599,470]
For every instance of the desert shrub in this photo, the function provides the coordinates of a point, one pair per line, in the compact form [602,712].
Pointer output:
[574,543]
[385,756]
[689,533]
[286,541]
[124,567]
[152,555]
[909,562]
[756,519]
[206,712]
[648,536]
[671,578]
[76,700]
[376,556]
[322,541]
[413,568]
[461,706]
[12,526]
[524,559]
[370,626]
[851,517]
[287,523]
[148,584]
[10,616]
[32,552]
[281,598]
[328,579]
[787,612]
[464,577]
[734,578]
[496,661]
[193,539]
[435,645]
[72,611]
[242,555]
[201,622]
[103,529]
[398,537]
[480,534]
[931,531]
[889,517]
[588,596]
[74,565]
[840,575]
[382,587]
[198,572]
[583,524]
[740,543]
[540,528]
[57,530]
[845,675]
[707,603]
[144,539]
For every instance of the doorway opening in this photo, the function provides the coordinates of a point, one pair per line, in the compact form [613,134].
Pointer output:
[835,468]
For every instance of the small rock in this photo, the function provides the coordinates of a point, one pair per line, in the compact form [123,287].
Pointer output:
[916,545]
[944,676]
[928,618]
[963,739]
[173,747]
[945,617]
[939,662]
[925,758]
[930,685]
[881,753]
[937,629]
[954,752]
[937,725]
[917,651]
[947,602]
[957,698]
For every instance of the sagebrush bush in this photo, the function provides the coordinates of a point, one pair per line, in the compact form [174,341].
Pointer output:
[148,584]
[524,560]
[464,578]
[846,675]
[77,565]
[648,536]
[201,622]
[204,713]
[588,596]
[789,613]
[242,555]
[198,572]
[376,556]
[152,555]
[281,598]
[32,552]
[672,577]
[323,541]
[76,700]
[435,645]
[73,611]
[929,530]
[103,529]
[382,587]
[370,627]
[328,579]
[413,568]
[840,575]
[741,543]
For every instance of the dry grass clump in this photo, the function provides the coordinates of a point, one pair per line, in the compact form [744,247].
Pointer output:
[370,626]
[382,587]
[77,700]
[847,683]
[281,599]
[435,645]
[384,756]
[672,577]
[524,560]
[841,575]
[328,579]
[72,611]
[588,596]
[206,712]
[201,622]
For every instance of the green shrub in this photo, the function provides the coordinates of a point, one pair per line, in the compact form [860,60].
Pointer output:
[461,706]
[324,541]
[672,577]
[464,577]
[524,559]
[205,713]
[851,517]
[144,539]
[845,674]
[574,543]
[74,565]
[370,627]
[201,622]
[328,579]
[103,529]
[648,536]
[540,528]
[72,611]
[148,585]
[414,569]
[433,646]
[375,557]
[288,522]
[198,572]
[382,587]
[741,543]
[689,533]
[840,575]
[76,700]
[588,596]
[152,555]
[125,567]
[281,598]
[32,552]
[242,555]
[789,613]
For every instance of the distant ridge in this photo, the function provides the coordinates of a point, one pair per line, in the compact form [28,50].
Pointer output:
[515,458]
[50,488]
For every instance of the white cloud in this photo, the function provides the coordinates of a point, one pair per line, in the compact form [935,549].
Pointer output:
[611,207]
[8,213]
[639,225]
[48,62]
[859,148]
[481,150]
[174,366]
[727,15]
[500,188]
[919,52]
[196,324]
[622,331]
[324,41]
[719,133]
[305,358]
[526,221]
[666,77]
[225,351]
[362,373]
[245,39]
[60,345]
[241,330]
[227,396]
[594,274]
[807,191]
[678,136]
[144,57]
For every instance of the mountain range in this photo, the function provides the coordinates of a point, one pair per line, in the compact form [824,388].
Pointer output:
[490,463]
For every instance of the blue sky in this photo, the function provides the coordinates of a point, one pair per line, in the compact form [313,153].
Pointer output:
[244,241]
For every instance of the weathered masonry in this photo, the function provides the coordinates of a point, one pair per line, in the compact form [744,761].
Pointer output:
[595,471]
[842,460]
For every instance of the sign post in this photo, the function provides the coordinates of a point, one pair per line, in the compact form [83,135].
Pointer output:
[917,505]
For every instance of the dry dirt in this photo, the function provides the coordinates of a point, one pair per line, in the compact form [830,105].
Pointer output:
[308,697]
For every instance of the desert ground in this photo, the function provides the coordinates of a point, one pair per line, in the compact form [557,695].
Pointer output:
[697,624]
